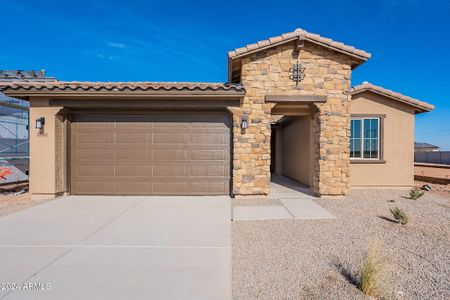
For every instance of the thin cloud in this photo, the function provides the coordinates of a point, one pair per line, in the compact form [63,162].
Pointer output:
[116,45]
[101,56]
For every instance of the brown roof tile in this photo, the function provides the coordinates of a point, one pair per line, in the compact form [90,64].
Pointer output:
[119,86]
[302,34]
[366,86]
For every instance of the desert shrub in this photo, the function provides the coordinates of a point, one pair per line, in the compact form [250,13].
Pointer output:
[399,215]
[370,271]
[415,193]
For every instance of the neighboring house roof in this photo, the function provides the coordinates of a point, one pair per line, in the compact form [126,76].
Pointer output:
[366,86]
[24,75]
[420,145]
[83,86]
[303,35]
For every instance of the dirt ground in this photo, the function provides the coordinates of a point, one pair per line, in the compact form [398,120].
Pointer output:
[320,259]
[438,189]
[12,201]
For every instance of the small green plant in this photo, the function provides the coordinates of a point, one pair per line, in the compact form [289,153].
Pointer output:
[369,273]
[415,193]
[399,215]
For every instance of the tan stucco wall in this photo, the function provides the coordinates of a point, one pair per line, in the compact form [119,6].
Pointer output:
[47,150]
[398,144]
[293,146]
[327,73]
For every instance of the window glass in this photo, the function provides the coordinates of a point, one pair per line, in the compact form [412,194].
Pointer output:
[374,148]
[364,138]
[374,128]
[355,138]
[356,128]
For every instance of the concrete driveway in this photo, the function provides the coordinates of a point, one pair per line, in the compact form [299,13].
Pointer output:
[105,247]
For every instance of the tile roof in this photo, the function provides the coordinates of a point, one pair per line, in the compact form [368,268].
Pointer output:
[82,86]
[366,86]
[303,35]
[24,75]
[425,145]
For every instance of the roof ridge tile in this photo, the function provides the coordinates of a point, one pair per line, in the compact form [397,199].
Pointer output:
[301,33]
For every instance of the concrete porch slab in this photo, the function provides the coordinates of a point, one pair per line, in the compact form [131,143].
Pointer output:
[283,187]
[253,213]
[306,209]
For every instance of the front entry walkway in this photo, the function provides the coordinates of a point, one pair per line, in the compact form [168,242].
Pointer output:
[288,200]
[113,247]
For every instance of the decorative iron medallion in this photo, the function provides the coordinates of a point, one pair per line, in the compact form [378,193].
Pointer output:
[297,73]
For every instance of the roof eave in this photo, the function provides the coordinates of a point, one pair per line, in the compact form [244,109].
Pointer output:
[354,55]
[128,94]
[418,108]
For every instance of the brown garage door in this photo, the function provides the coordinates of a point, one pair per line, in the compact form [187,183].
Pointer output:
[178,154]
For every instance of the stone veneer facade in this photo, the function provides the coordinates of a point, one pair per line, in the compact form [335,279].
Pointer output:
[327,73]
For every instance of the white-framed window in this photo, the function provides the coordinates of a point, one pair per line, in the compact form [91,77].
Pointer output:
[365,138]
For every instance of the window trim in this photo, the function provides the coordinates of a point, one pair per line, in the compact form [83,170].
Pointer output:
[380,158]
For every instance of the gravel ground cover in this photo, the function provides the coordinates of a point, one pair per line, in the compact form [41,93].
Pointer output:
[320,259]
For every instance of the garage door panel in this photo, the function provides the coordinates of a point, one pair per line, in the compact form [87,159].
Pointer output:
[209,188]
[93,187]
[177,154]
[207,155]
[139,119]
[96,138]
[95,153]
[94,170]
[132,138]
[132,170]
[134,188]
[97,126]
[131,154]
[208,171]
[210,138]
[166,138]
[170,188]
[169,171]
[161,125]
[169,155]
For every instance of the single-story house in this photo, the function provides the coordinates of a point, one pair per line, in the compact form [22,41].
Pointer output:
[425,147]
[288,107]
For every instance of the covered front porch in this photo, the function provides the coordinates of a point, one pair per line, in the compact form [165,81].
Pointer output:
[293,142]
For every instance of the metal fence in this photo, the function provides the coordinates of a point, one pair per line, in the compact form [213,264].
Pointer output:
[433,157]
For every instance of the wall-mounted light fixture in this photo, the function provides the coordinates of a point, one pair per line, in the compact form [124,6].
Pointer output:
[244,121]
[40,122]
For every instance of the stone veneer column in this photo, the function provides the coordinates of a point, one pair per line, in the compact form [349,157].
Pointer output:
[331,138]
[251,148]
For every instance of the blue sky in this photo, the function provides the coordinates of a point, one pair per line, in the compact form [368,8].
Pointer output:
[188,41]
